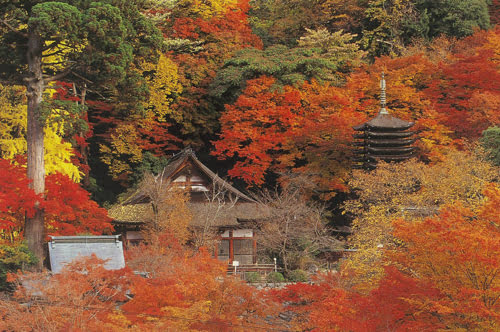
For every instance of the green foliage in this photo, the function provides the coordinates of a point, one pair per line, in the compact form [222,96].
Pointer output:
[275,277]
[381,22]
[298,276]
[85,42]
[321,58]
[252,277]
[458,18]
[149,163]
[12,258]
[491,142]
[336,46]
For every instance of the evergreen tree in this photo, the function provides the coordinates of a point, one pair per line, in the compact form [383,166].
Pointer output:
[76,40]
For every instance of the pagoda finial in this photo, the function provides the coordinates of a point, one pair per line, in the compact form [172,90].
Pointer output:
[383,110]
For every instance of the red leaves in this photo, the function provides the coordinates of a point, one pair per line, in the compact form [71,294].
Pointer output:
[16,198]
[68,207]
[83,297]
[258,125]
[188,290]
[467,93]
[271,130]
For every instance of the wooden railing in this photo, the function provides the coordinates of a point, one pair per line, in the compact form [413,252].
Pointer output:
[262,269]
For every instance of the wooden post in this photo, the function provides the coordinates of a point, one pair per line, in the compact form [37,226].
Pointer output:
[254,258]
[231,252]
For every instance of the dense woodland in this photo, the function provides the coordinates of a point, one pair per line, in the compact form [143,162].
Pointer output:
[93,95]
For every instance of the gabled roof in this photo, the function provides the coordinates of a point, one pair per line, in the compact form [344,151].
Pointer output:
[136,209]
[176,164]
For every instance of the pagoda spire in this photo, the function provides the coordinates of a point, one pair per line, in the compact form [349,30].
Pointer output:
[383,110]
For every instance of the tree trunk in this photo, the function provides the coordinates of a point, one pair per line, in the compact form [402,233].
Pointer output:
[34,227]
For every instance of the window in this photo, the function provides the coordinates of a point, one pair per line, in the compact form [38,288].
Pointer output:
[243,251]
[223,250]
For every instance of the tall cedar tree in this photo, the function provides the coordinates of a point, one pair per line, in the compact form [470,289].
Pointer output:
[98,40]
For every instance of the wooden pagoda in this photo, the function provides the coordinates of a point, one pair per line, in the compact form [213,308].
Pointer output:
[384,137]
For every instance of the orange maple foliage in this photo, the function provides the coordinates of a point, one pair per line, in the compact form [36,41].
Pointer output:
[182,291]
[189,290]
[443,275]
[83,297]
[458,253]
[257,127]
[305,129]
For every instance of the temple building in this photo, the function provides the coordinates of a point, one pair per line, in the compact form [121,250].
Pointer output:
[384,137]
[218,210]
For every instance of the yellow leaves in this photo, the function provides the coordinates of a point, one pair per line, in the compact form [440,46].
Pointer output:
[54,58]
[164,86]
[123,142]
[169,211]
[207,9]
[409,190]
[58,153]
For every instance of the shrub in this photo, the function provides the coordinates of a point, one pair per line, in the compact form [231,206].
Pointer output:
[275,277]
[12,258]
[298,276]
[252,277]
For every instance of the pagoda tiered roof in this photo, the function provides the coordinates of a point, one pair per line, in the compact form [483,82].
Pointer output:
[384,137]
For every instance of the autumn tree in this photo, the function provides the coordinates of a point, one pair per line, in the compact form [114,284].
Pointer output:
[59,154]
[83,296]
[306,130]
[284,22]
[69,210]
[169,210]
[68,207]
[294,227]
[16,199]
[190,290]
[466,92]
[213,32]
[100,40]
[441,273]
[410,190]
[456,253]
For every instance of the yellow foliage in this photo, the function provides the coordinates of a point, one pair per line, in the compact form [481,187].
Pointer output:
[163,87]
[412,191]
[170,212]
[58,153]
[123,142]
[207,9]
[54,58]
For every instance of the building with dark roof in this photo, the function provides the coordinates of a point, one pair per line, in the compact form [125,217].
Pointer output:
[384,137]
[232,216]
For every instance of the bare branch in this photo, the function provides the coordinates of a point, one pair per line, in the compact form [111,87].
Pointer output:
[11,28]
[82,78]
[57,76]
